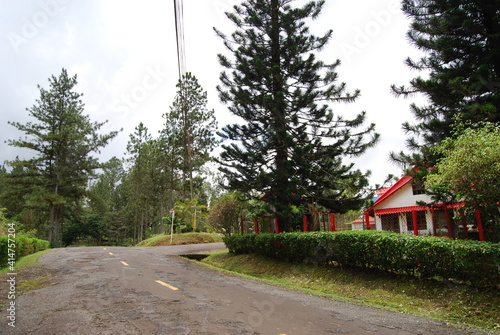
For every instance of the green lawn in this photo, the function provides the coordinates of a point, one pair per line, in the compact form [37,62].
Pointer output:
[180,239]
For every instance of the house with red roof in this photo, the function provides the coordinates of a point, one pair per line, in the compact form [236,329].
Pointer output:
[397,209]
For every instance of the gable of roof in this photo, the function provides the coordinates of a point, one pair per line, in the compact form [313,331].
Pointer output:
[389,192]
[393,189]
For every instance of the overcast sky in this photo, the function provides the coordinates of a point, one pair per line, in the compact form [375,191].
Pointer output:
[124,54]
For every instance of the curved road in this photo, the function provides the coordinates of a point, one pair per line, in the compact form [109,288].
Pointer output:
[118,290]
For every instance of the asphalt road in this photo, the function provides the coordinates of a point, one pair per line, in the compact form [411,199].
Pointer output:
[118,290]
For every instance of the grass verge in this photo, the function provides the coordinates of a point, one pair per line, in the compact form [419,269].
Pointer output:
[26,261]
[456,304]
[29,276]
[180,239]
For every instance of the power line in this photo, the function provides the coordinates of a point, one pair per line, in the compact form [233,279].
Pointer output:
[179,32]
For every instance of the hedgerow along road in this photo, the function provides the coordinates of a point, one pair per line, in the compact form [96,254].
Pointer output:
[119,290]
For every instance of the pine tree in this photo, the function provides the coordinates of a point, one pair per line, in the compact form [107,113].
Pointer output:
[290,145]
[461,41]
[104,197]
[170,146]
[139,180]
[12,195]
[197,127]
[63,139]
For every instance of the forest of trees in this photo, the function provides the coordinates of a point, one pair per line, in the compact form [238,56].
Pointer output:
[64,194]
[286,155]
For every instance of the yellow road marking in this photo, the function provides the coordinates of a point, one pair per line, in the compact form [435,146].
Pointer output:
[111,253]
[105,248]
[124,263]
[167,285]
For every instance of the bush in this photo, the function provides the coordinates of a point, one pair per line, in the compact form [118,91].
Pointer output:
[477,263]
[23,246]
[224,216]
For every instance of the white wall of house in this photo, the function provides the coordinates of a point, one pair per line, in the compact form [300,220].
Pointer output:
[378,223]
[357,226]
[403,198]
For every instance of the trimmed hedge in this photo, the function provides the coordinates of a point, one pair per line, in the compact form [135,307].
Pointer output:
[477,263]
[23,245]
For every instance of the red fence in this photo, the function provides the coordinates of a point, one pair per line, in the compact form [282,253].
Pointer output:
[324,221]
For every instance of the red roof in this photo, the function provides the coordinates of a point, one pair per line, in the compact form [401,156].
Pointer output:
[393,189]
[381,191]
[416,208]
[400,210]
[362,220]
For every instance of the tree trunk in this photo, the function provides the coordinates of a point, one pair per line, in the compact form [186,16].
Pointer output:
[278,114]
[314,226]
[58,225]
[50,236]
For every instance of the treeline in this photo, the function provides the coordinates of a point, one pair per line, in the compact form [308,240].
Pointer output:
[64,194]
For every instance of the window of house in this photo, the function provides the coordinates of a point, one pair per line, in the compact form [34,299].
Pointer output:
[417,188]
[421,220]
[390,222]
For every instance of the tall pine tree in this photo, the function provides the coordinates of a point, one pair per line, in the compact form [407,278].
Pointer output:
[461,41]
[197,128]
[141,152]
[290,144]
[63,139]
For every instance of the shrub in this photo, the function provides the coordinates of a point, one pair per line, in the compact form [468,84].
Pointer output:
[224,216]
[23,246]
[477,263]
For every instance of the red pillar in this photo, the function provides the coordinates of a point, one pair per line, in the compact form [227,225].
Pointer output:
[304,222]
[255,225]
[479,221]
[414,218]
[367,221]
[277,225]
[332,221]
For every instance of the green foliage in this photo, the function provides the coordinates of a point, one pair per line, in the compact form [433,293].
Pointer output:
[289,144]
[241,244]
[470,165]
[63,139]
[161,173]
[3,222]
[476,263]
[224,216]
[469,171]
[91,226]
[461,67]
[194,127]
[22,245]
[190,212]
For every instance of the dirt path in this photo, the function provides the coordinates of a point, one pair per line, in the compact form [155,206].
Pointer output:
[152,291]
